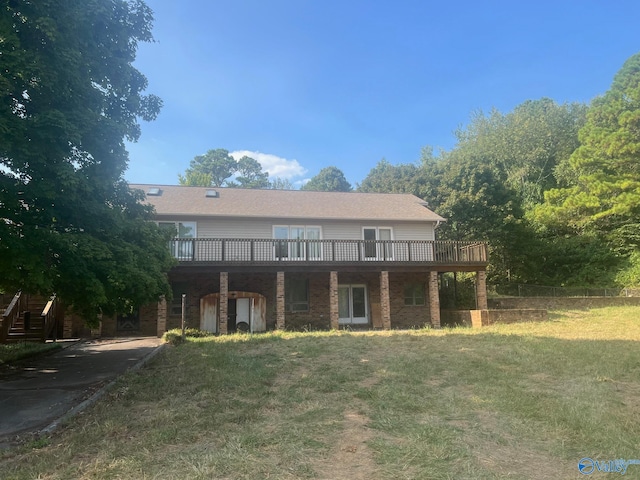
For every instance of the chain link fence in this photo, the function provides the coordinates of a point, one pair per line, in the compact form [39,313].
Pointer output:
[525,290]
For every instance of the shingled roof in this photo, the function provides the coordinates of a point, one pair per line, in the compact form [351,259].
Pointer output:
[173,200]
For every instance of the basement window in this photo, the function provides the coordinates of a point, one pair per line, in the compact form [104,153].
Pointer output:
[296,295]
[414,294]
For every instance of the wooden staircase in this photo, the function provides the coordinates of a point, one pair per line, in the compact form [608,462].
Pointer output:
[28,318]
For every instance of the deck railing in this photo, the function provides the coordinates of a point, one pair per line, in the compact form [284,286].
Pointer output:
[11,314]
[231,250]
[50,316]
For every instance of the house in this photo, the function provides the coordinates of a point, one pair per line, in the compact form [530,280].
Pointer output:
[257,260]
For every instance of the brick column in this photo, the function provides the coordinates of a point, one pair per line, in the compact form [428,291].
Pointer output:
[280,301]
[161,324]
[434,299]
[224,302]
[333,300]
[481,290]
[385,304]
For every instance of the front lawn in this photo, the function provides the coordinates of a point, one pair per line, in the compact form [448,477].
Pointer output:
[517,401]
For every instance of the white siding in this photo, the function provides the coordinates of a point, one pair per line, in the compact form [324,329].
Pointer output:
[263,228]
[231,228]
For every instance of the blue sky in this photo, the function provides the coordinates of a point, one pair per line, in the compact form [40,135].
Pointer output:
[305,84]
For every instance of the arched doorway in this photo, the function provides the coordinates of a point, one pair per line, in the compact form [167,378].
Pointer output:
[246,312]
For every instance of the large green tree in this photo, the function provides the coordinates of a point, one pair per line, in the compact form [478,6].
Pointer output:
[249,174]
[329,179]
[70,96]
[604,196]
[212,169]
[527,144]
[387,178]
[217,167]
[600,198]
[497,171]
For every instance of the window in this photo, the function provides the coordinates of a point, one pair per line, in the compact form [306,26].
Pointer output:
[296,295]
[377,245]
[414,294]
[298,245]
[178,288]
[184,232]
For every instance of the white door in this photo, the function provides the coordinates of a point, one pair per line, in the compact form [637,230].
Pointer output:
[209,313]
[243,312]
[377,245]
[352,305]
[258,311]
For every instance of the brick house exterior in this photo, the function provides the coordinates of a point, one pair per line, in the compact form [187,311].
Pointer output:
[271,259]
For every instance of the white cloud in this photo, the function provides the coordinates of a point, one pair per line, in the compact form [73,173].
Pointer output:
[277,167]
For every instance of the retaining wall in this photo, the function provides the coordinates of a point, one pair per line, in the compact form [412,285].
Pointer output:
[481,318]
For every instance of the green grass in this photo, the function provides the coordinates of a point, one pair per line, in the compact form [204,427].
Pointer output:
[13,352]
[517,401]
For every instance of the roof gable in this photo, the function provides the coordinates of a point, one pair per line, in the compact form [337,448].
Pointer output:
[174,200]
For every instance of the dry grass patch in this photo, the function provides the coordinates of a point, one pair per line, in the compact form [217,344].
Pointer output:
[516,401]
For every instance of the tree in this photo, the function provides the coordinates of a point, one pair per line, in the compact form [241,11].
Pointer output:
[279,183]
[387,178]
[70,96]
[216,168]
[250,174]
[212,169]
[329,179]
[527,144]
[604,197]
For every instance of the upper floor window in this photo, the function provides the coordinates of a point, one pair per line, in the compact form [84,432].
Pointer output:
[300,244]
[377,245]
[185,232]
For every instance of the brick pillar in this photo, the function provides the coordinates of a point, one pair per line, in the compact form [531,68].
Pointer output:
[434,299]
[280,301]
[224,302]
[481,290]
[333,300]
[161,324]
[385,304]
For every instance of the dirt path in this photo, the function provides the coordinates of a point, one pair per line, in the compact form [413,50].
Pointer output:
[350,458]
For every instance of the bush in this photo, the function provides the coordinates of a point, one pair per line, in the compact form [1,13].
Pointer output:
[174,336]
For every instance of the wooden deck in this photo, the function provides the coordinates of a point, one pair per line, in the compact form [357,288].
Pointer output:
[327,253]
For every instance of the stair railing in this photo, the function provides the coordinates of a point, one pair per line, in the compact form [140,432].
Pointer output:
[49,316]
[10,315]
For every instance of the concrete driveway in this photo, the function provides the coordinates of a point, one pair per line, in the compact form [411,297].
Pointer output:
[36,394]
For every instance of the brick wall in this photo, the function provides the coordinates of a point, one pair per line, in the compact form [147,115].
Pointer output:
[201,285]
[408,316]
[483,318]
[317,318]
[318,315]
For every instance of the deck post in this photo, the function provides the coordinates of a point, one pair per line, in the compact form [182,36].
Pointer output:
[481,290]
[280,301]
[385,303]
[333,300]
[434,299]
[224,302]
